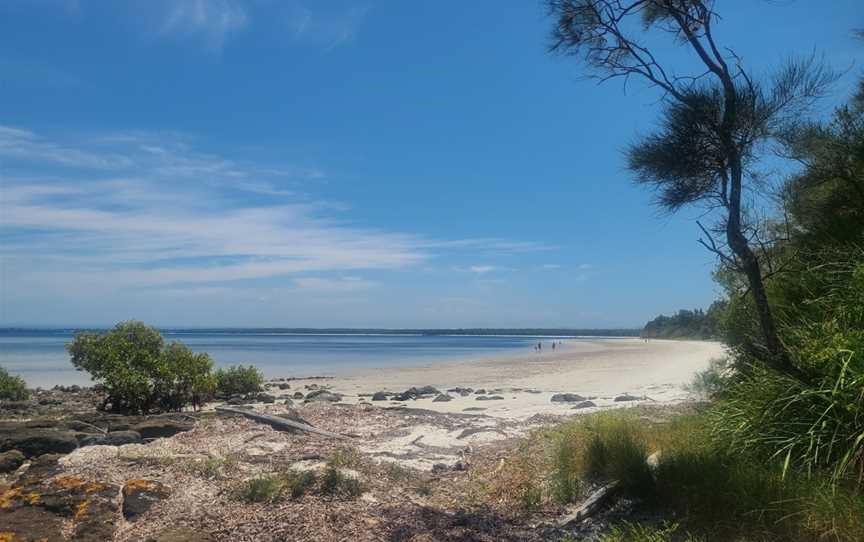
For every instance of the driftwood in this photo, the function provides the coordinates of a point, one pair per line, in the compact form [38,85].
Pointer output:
[281,423]
[591,504]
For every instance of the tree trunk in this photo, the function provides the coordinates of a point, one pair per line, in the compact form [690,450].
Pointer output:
[778,356]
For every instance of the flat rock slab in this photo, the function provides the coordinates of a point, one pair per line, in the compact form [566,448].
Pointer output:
[140,495]
[46,505]
[161,428]
[39,441]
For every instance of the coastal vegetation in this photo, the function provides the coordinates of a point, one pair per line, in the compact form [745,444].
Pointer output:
[779,452]
[139,372]
[238,379]
[687,324]
[12,387]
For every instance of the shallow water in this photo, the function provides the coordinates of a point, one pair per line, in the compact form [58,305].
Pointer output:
[38,355]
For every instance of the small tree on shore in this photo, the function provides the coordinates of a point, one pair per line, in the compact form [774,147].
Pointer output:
[139,372]
[715,123]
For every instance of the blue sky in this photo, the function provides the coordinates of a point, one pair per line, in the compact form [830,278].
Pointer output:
[363,164]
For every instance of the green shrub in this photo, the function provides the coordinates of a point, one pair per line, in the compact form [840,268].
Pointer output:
[297,483]
[635,532]
[238,379]
[12,388]
[713,491]
[603,447]
[713,381]
[334,483]
[262,489]
[139,372]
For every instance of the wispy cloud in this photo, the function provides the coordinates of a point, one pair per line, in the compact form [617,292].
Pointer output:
[326,29]
[137,211]
[212,21]
[21,144]
[482,269]
[342,284]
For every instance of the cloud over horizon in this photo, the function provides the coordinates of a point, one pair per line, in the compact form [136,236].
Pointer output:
[137,211]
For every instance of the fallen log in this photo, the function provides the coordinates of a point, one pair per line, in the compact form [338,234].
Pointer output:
[281,423]
[591,505]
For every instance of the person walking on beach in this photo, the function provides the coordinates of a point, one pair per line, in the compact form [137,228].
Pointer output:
[553,346]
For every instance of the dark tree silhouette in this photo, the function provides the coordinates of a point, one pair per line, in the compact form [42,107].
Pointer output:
[715,124]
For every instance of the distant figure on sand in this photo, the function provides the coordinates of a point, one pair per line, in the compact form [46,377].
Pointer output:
[539,347]
[553,345]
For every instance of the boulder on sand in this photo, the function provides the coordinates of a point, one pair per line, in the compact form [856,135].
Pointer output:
[323,395]
[583,404]
[567,398]
[627,397]
[442,398]
[379,396]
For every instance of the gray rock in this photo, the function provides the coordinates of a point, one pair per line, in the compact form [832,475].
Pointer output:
[489,398]
[626,397]
[266,398]
[298,395]
[324,395]
[113,438]
[139,496]
[415,393]
[284,386]
[11,460]
[583,404]
[442,398]
[15,405]
[36,442]
[288,402]
[160,428]
[379,396]
[481,391]
[567,398]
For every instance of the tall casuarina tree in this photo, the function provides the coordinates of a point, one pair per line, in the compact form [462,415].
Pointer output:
[715,125]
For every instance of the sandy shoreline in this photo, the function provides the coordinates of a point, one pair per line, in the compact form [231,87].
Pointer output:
[598,369]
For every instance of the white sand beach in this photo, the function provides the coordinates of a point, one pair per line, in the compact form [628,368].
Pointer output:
[599,370]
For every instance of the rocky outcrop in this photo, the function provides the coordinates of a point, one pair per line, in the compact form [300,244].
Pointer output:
[140,495]
[11,460]
[160,428]
[44,504]
[379,396]
[113,438]
[33,442]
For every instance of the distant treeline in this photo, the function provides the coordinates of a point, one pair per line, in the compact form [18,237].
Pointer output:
[695,324]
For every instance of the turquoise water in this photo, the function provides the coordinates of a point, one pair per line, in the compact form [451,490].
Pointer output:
[38,355]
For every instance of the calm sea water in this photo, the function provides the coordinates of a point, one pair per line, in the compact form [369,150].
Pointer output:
[39,355]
